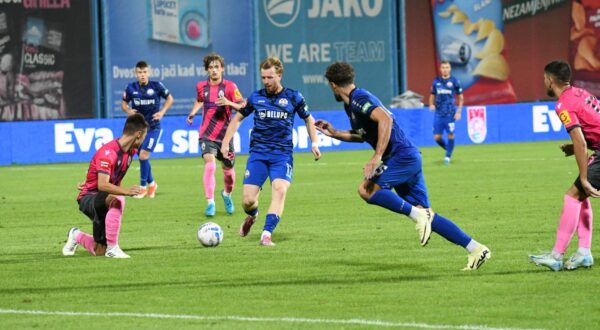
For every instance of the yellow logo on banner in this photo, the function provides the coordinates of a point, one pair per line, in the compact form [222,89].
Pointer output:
[565,117]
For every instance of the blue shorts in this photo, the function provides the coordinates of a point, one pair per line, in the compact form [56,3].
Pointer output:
[405,175]
[441,124]
[151,139]
[275,166]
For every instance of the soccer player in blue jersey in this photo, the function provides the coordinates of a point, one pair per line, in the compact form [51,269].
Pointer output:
[396,163]
[144,97]
[271,145]
[443,91]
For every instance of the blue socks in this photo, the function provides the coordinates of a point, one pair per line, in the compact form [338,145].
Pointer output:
[271,222]
[449,230]
[450,148]
[391,201]
[144,171]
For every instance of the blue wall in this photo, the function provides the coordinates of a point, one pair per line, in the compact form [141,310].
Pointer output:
[77,140]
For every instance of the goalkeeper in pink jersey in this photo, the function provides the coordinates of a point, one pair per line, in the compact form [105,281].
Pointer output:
[217,97]
[579,112]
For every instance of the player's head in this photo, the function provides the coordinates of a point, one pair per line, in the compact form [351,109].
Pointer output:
[556,74]
[136,126]
[445,69]
[271,71]
[214,64]
[339,75]
[142,72]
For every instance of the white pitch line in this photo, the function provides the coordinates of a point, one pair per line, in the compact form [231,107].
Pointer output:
[257,319]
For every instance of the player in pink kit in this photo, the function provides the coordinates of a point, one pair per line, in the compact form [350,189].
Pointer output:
[102,198]
[217,97]
[578,111]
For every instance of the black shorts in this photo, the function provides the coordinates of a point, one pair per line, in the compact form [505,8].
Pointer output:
[593,174]
[214,148]
[94,206]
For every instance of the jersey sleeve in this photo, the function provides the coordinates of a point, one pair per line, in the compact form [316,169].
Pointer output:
[433,89]
[200,91]
[301,108]
[233,94]
[364,105]
[457,87]
[248,108]
[162,90]
[127,94]
[106,161]
[568,116]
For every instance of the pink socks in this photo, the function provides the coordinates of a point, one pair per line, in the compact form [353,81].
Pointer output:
[209,179]
[584,229]
[113,220]
[568,223]
[87,241]
[229,178]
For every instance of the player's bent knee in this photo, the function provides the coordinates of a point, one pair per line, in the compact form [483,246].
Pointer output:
[366,190]
[117,202]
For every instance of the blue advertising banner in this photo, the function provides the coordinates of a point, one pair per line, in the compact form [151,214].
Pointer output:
[309,35]
[173,36]
[77,140]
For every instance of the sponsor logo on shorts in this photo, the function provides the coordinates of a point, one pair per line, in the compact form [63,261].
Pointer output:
[565,117]
[203,146]
[247,174]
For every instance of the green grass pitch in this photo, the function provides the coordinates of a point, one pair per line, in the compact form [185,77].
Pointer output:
[338,263]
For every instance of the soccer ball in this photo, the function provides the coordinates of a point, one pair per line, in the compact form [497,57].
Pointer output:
[210,234]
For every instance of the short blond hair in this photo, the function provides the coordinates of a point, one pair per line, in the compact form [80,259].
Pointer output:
[271,62]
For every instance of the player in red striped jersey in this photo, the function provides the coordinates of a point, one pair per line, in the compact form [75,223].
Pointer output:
[102,198]
[217,97]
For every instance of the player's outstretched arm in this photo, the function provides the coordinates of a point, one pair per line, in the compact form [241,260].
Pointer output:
[197,105]
[105,186]
[581,156]
[231,129]
[312,132]
[327,128]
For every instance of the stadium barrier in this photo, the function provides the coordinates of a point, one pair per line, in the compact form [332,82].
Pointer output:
[77,140]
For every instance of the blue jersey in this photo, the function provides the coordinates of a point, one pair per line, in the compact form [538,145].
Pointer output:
[146,99]
[362,104]
[445,90]
[274,119]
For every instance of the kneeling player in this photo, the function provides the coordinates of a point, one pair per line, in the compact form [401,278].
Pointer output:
[102,198]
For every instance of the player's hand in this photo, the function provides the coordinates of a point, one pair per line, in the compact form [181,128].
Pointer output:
[190,119]
[589,189]
[157,116]
[131,112]
[225,151]
[371,166]
[431,107]
[457,116]
[316,152]
[222,101]
[80,185]
[568,149]
[324,127]
[134,190]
